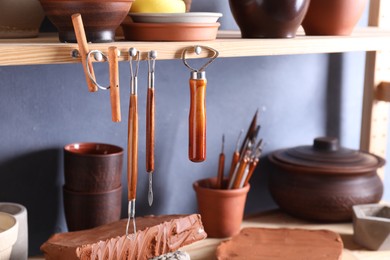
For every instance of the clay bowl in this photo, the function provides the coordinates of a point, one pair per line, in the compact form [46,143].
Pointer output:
[92,167]
[268,18]
[84,210]
[8,234]
[100,17]
[333,17]
[322,182]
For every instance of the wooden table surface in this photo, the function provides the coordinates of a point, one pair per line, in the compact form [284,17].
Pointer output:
[205,250]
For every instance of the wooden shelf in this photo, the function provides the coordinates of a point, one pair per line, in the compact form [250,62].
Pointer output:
[47,50]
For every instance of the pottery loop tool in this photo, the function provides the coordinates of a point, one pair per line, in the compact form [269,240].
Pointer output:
[132,141]
[221,165]
[150,107]
[83,50]
[197,115]
[114,78]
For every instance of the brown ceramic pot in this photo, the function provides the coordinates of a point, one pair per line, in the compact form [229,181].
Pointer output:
[221,210]
[92,167]
[85,210]
[322,182]
[333,17]
[100,17]
[268,18]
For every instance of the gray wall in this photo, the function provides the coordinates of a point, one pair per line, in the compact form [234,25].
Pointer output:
[43,108]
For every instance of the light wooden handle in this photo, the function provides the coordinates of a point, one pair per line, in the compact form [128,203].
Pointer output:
[235,158]
[240,173]
[132,149]
[83,49]
[252,168]
[197,120]
[150,107]
[114,84]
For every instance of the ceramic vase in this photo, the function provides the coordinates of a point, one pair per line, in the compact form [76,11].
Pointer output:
[268,18]
[221,210]
[20,18]
[333,17]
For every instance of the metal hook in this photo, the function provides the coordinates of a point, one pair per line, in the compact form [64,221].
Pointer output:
[152,55]
[98,56]
[198,49]
[131,216]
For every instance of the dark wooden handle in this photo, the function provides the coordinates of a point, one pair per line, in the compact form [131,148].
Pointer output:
[114,84]
[132,149]
[197,120]
[150,130]
[83,49]
[221,165]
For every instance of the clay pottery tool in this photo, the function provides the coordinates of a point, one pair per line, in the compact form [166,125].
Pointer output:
[114,84]
[221,165]
[323,181]
[92,167]
[240,172]
[197,115]
[250,131]
[333,17]
[269,18]
[150,107]
[132,143]
[235,157]
[221,210]
[79,32]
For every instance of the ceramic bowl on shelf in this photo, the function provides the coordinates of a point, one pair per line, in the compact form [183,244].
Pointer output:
[333,17]
[8,234]
[170,31]
[323,181]
[268,18]
[371,226]
[100,17]
[191,17]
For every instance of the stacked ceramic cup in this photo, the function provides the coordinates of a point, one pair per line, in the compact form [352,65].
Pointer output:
[93,189]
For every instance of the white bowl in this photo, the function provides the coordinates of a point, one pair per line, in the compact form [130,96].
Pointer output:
[190,17]
[8,234]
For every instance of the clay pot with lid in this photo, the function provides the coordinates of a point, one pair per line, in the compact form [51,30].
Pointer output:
[323,181]
[268,18]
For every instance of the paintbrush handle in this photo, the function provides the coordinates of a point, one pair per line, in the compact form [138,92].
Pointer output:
[235,158]
[252,167]
[240,173]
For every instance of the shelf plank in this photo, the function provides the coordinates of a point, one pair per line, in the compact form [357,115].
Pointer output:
[46,49]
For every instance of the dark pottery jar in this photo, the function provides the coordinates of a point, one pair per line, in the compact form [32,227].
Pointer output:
[100,17]
[322,182]
[268,18]
[333,17]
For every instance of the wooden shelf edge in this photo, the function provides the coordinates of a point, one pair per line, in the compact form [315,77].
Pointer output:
[47,50]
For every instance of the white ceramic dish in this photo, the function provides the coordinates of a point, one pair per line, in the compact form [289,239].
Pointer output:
[190,17]
[8,234]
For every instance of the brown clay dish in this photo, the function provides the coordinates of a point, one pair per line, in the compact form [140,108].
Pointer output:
[333,17]
[170,32]
[322,182]
[100,17]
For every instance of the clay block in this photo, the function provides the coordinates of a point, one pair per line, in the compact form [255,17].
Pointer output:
[282,243]
[156,235]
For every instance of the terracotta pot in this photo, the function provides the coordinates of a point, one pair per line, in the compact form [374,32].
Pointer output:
[333,17]
[322,182]
[87,210]
[20,19]
[92,167]
[221,210]
[268,18]
[100,17]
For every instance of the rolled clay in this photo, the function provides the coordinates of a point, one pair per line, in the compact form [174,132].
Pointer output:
[156,235]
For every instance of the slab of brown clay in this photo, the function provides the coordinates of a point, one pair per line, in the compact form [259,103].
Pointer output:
[282,243]
[156,235]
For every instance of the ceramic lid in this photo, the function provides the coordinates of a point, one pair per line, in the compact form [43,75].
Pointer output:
[326,155]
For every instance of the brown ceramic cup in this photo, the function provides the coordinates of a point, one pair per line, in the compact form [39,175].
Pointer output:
[222,211]
[92,167]
[85,210]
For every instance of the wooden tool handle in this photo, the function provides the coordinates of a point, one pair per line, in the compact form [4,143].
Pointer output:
[235,158]
[83,49]
[252,167]
[114,84]
[240,173]
[150,130]
[221,165]
[197,120]
[132,149]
